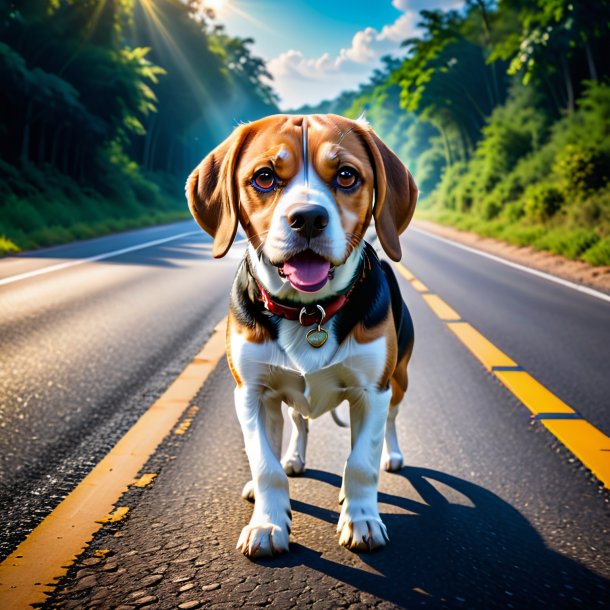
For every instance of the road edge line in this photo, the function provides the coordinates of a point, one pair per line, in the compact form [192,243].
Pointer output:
[30,573]
[498,259]
[89,259]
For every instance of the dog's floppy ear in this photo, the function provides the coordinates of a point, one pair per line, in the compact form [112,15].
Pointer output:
[213,194]
[395,195]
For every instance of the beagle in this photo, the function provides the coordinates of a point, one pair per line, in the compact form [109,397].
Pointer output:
[315,317]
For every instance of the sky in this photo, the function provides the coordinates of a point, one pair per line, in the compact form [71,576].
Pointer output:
[315,49]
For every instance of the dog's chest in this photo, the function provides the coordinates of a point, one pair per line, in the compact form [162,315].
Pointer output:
[292,340]
[312,380]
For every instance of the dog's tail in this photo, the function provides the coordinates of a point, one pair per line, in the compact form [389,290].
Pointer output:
[338,420]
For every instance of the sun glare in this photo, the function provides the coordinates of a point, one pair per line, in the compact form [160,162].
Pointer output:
[215,5]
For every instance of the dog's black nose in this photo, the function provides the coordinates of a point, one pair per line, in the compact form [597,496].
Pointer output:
[308,221]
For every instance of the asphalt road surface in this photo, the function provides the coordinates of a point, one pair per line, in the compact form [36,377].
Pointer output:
[490,510]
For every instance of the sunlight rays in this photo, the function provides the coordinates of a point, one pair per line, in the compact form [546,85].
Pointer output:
[160,31]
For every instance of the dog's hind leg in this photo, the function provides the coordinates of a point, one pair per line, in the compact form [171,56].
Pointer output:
[293,461]
[391,458]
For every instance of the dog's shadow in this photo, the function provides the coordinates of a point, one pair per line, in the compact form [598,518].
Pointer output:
[478,553]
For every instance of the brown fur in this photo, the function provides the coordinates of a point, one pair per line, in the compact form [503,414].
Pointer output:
[220,194]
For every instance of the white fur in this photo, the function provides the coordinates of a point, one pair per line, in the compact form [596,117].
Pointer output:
[311,381]
[282,242]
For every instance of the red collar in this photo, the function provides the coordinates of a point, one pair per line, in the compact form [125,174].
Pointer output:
[307,316]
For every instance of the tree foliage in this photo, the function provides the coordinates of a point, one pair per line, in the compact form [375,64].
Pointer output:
[502,112]
[101,91]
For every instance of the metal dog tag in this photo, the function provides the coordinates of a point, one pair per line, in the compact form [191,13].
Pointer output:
[316,337]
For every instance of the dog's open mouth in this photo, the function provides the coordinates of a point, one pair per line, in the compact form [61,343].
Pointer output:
[307,271]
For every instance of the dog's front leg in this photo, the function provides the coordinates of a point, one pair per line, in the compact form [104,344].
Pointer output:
[360,526]
[260,416]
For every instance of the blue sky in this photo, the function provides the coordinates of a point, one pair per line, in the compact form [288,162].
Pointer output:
[316,49]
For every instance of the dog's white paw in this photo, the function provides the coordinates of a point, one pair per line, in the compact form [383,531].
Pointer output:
[392,462]
[293,465]
[264,539]
[362,534]
[247,493]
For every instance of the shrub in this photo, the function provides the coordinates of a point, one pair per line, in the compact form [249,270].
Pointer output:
[541,201]
[580,170]
[599,254]
[570,244]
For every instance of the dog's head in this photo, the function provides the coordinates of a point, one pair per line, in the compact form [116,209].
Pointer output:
[304,189]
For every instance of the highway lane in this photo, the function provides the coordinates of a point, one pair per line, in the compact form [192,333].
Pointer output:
[86,349]
[117,331]
[484,515]
[559,335]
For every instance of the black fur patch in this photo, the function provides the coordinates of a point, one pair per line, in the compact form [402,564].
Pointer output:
[368,303]
[402,317]
[245,302]
[369,300]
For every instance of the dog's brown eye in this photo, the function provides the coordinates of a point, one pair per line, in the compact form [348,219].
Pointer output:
[264,179]
[347,177]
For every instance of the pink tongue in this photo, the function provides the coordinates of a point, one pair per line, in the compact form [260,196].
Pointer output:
[307,271]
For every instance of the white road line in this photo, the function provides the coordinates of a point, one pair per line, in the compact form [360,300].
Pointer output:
[590,291]
[97,257]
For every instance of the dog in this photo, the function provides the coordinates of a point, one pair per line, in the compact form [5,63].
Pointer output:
[315,316]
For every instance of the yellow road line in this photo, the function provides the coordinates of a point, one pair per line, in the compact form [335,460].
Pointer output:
[405,272]
[532,393]
[590,445]
[480,346]
[118,514]
[419,286]
[145,480]
[440,308]
[27,575]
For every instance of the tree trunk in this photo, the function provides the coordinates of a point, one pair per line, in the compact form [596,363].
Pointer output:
[153,150]
[568,84]
[66,154]
[448,156]
[591,62]
[42,144]
[25,141]
[54,145]
[170,156]
[147,142]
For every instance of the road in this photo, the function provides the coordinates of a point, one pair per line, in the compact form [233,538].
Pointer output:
[490,511]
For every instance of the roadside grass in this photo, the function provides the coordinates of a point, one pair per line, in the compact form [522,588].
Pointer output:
[572,243]
[39,207]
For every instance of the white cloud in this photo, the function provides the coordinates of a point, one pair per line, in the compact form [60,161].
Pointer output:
[307,80]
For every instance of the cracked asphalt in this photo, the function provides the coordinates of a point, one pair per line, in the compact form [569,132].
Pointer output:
[489,512]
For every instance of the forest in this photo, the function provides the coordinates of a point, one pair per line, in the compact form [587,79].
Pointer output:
[502,112]
[500,109]
[107,106]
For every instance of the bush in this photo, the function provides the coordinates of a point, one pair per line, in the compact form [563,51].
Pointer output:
[531,185]
[599,254]
[580,170]
[40,207]
[541,201]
